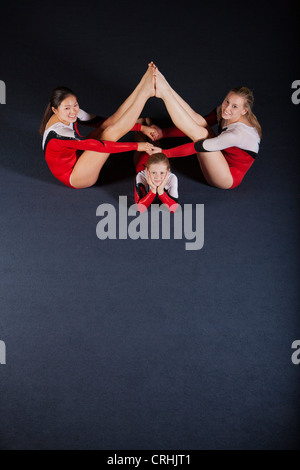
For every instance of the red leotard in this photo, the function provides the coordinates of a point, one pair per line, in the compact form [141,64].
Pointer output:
[144,199]
[238,143]
[62,152]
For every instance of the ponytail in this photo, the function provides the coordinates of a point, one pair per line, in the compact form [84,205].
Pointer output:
[254,121]
[47,115]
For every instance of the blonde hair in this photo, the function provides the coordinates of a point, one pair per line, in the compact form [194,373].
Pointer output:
[158,158]
[247,94]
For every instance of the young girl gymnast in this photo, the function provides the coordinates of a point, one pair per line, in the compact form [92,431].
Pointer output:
[226,158]
[154,181]
[77,161]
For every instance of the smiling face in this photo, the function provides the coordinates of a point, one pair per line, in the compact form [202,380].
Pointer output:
[68,109]
[233,108]
[158,172]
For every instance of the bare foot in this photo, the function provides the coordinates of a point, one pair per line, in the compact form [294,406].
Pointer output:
[161,84]
[148,80]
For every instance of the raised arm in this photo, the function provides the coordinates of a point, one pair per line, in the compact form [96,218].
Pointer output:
[143,199]
[169,196]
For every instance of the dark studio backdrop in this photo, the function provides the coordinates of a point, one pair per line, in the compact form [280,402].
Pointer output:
[140,344]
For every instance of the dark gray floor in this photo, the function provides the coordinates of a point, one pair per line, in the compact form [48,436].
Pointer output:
[140,344]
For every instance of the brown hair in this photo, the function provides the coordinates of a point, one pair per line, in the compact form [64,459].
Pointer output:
[158,158]
[247,94]
[58,95]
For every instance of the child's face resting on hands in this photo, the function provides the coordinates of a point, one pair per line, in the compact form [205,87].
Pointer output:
[157,173]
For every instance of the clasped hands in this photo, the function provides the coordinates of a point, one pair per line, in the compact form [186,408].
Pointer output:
[154,133]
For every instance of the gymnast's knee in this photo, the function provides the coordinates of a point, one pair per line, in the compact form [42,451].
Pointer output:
[83,183]
[225,184]
[109,133]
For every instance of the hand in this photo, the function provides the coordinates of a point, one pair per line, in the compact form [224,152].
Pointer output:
[148,148]
[150,132]
[150,182]
[161,187]
[158,132]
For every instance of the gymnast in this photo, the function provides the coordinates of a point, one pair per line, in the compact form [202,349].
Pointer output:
[154,181]
[226,158]
[77,161]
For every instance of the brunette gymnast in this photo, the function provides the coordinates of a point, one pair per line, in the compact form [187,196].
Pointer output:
[77,161]
[226,158]
[154,181]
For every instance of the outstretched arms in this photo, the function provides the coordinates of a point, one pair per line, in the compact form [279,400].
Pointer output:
[102,146]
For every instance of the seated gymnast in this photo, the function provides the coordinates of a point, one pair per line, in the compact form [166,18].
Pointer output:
[226,158]
[77,161]
[154,181]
